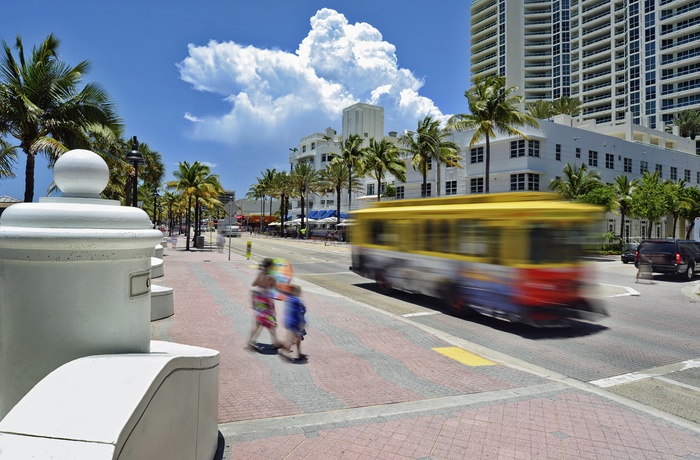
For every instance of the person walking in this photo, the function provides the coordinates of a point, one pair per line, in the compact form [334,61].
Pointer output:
[294,322]
[264,305]
[220,240]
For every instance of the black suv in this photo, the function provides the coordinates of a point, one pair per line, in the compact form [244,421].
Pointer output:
[680,257]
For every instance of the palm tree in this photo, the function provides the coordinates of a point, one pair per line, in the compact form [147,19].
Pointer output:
[688,122]
[623,188]
[493,107]
[284,189]
[351,154]
[170,200]
[566,105]
[8,157]
[679,202]
[266,182]
[335,177]
[42,107]
[257,192]
[541,109]
[418,146]
[303,180]
[577,182]
[383,157]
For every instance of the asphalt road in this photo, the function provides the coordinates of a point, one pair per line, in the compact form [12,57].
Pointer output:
[646,350]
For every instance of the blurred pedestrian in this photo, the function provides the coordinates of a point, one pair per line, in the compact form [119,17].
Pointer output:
[294,322]
[328,237]
[644,268]
[264,305]
[220,240]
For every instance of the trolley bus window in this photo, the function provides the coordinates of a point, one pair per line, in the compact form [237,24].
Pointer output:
[376,232]
[472,238]
[428,237]
[444,239]
[553,245]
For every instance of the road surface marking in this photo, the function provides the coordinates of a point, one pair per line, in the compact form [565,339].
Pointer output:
[423,313]
[464,357]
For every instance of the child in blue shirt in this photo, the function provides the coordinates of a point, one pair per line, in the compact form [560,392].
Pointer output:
[294,321]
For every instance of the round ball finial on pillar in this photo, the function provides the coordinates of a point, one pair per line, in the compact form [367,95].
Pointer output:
[81,173]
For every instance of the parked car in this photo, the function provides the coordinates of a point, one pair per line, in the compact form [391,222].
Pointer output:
[231,230]
[628,252]
[678,257]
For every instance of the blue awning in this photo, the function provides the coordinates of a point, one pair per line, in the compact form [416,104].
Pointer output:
[313,214]
[344,215]
[327,213]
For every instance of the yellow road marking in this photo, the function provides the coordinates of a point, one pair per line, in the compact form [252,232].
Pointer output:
[464,357]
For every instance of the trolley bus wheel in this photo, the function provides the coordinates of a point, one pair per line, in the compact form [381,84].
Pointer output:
[455,301]
[383,285]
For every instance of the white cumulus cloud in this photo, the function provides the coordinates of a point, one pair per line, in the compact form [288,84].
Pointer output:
[278,97]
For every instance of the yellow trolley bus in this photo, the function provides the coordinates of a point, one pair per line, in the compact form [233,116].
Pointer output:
[514,256]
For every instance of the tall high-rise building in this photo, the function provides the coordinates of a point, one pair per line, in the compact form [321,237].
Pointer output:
[365,120]
[628,61]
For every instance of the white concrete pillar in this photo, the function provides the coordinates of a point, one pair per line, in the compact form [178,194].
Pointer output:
[74,278]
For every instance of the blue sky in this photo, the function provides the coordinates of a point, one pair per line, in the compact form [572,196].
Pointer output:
[236,84]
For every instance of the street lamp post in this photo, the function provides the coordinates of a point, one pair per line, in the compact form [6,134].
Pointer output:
[135,158]
[155,204]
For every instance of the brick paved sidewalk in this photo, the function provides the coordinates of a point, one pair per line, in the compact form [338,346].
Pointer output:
[376,386]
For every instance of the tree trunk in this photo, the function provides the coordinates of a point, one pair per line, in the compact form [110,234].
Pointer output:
[187,223]
[337,207]
[349,187]
[29,177]
[424,192]
[487,165]
[622,227]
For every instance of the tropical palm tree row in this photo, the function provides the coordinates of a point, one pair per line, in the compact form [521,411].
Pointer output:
[196,182]
[544,109]
[647,198]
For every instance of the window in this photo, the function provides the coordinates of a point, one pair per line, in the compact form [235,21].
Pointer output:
[517,148]
[609,161]
[425,191]
[660,170]
[593,158]
[303,149]
[533,182]
[476,155]
[674,173]
[524,181]
[557,153]
[451,187]
[533,149]
[686,176]
[643,167]
[313,145]
[628,165]
[400,192]
[370,189]
[578,152]
[476,185]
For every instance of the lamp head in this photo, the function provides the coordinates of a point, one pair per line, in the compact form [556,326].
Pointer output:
[135,156]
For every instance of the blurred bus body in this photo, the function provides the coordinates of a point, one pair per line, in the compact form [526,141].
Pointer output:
[514,256]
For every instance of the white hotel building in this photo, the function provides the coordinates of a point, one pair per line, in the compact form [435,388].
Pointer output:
[634,65]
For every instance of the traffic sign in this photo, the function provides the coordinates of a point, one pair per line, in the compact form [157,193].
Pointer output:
[230,208]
